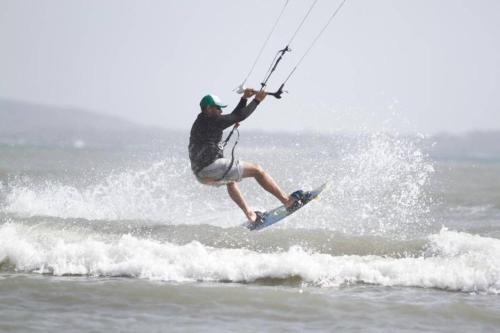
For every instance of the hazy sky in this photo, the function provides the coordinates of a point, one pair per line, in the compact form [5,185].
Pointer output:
[412,65]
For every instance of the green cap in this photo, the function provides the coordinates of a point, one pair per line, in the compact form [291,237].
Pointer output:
[210,100]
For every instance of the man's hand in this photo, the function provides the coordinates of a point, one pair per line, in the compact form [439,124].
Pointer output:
[248,93]
[260,95]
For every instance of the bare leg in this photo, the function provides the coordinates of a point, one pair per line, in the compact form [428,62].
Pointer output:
[266,181]
[235,194]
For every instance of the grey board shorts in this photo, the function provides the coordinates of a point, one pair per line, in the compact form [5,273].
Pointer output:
[217,169]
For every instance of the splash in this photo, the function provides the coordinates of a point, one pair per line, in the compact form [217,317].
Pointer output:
[149,194]
[378,186]
[381,187]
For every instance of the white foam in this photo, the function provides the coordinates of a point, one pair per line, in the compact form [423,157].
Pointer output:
[454,261]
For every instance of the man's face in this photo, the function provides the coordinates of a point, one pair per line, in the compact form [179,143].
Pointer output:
[214,110]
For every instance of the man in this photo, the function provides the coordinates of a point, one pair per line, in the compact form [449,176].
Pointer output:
[207,160]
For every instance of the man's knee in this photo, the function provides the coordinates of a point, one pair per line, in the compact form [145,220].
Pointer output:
[256,170]
[252,170]
[259,170]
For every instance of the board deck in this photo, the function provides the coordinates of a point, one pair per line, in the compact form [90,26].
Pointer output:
[279,213]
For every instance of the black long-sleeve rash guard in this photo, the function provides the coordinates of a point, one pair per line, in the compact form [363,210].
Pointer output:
[206,134]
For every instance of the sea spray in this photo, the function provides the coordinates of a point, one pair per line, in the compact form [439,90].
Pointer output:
[153,193]
[381,187]
[378,185]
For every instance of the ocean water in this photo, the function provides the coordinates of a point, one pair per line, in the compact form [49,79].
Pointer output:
[125,239]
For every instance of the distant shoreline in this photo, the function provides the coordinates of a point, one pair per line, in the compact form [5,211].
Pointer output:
[29,124]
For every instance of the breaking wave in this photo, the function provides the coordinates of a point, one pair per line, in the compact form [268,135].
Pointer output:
[450,261]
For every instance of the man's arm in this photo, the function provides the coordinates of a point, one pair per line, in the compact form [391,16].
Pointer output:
[240,113]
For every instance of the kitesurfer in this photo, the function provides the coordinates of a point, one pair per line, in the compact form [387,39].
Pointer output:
[206,153]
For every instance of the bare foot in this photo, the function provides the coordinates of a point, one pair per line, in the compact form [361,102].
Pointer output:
[251,216]
[290,201]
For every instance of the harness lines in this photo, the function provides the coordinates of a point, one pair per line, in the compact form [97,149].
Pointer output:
[274,64]
[223,145]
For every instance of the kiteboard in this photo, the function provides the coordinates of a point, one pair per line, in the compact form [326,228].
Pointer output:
[279,213]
